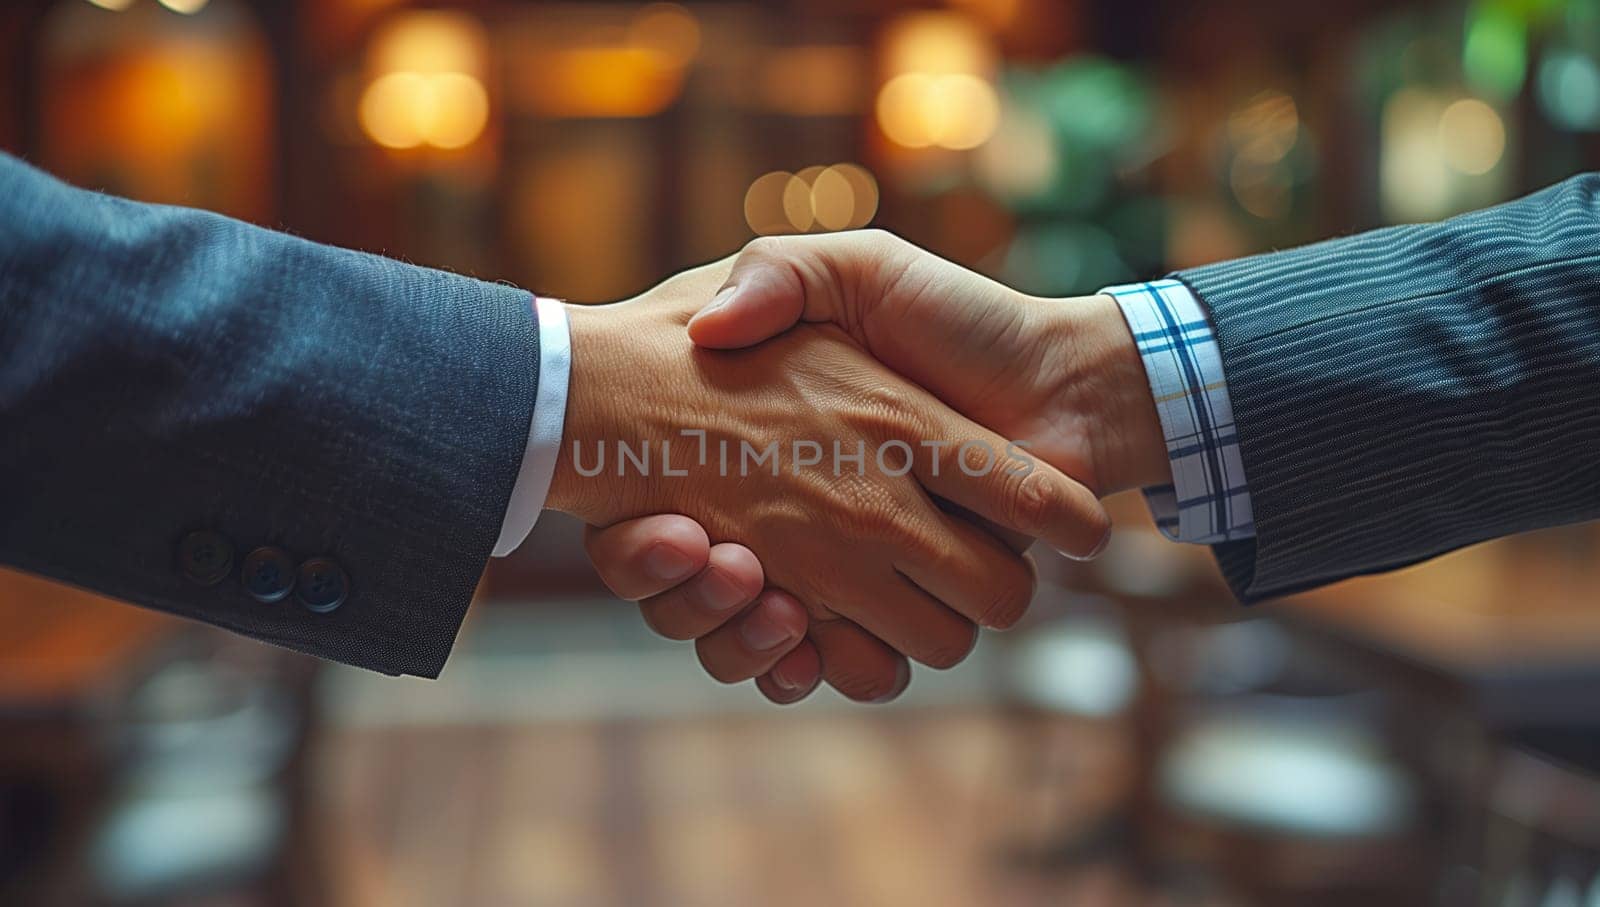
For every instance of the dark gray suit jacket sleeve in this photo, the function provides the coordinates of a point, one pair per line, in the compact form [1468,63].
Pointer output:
[1408,391]
[165,371]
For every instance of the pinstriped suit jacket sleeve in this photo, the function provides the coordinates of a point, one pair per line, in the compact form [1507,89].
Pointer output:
[1408,391]
[165,371]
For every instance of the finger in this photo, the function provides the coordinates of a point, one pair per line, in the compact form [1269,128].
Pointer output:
[1016,541]
[794,676]
[974,574]
[777,281]
[732,579]
[909,620]
[1001,482]
[753,643]
[857,664]
[643,557]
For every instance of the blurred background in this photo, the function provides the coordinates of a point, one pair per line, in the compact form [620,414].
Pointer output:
[1429,737]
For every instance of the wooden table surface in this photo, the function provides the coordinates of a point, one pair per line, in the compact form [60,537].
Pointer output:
[792,808]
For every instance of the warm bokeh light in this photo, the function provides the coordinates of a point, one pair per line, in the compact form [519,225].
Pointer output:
[919,110]
[455,110]
[1414,183]
[428,86]
[668,29]
[763,203]
[937,43]
[797,208]
[1265,128]
[900,106]
[386,109]
[186,7]
[938,94]
[430,42]
[864,194]
[833,200]
[1441,154]
[840,197]
[970,111]
[1472,137]
[115,6]
[406,109]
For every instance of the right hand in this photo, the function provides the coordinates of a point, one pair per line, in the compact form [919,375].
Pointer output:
[688,588]
[880,569]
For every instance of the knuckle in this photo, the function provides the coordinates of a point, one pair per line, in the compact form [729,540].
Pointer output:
[883,411]
[879,238]
[866,508]
[975,458]
[763,248]
[886,399]
[1033,502]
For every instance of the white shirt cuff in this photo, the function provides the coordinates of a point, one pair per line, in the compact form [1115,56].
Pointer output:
[544,432]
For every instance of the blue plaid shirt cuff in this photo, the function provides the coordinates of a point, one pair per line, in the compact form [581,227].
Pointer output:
[1208,500]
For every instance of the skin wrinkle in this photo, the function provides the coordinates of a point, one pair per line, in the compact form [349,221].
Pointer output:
[842,302]
[894,287]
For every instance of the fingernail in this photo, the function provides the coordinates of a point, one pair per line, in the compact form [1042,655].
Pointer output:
[902,679]
[784,682]
[721,299]
[721,593]
[761,633]
[667,563]
[1099,549]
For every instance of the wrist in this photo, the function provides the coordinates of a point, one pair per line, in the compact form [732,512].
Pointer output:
[589,415]
[1105,380]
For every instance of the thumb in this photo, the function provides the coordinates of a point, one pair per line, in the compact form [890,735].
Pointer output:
[779,280]
[763,296]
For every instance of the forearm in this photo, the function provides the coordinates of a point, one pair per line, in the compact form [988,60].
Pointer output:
[1408,391]
[164,370]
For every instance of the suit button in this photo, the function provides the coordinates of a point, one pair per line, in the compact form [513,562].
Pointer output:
[267,575]
[205,557]
[322,584]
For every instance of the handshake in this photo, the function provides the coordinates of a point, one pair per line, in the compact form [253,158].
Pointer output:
[837,464]
[821,459]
